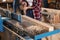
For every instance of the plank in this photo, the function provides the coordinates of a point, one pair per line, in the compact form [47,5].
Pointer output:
[54,14]
[38,23]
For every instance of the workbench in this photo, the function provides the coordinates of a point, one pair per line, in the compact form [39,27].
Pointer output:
[23,25]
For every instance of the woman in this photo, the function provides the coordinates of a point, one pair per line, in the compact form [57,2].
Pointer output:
[28,11]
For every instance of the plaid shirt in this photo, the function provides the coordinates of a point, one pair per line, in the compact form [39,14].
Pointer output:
[37,9]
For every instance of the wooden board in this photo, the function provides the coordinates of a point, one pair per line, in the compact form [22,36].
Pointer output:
[55,15]
[38,23]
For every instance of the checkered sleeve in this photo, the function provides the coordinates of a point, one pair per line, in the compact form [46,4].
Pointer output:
[37,9]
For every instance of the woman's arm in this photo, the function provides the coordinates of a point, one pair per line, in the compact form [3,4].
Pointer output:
[29,7]
[24,12]
[26,9]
